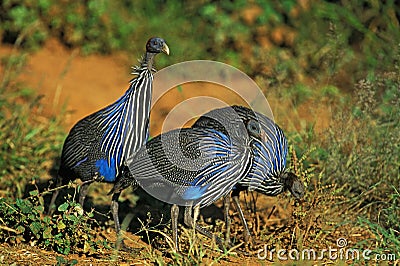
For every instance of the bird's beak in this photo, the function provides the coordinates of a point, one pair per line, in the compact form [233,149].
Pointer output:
[165,49]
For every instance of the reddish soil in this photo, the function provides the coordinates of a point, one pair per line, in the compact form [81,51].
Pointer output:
[84,84]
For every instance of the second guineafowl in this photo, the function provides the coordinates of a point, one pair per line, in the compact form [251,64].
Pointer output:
[268,173]
[192,167]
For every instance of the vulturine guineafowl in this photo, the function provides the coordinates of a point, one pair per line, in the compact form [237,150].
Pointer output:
[97,145]
[192,167]
[267,174]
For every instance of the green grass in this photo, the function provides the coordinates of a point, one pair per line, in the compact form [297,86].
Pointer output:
[329,39]
[29,149]
[69,230]
[28,140]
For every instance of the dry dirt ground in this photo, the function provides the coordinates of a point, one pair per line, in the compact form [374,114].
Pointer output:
[85,84]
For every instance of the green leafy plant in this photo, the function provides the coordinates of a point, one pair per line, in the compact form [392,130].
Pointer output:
[70,230]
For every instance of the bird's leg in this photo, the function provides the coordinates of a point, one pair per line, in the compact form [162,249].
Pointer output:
[187,217]
[191,223]
[114,211]
[195,215]
[174,224]
[83,192]
[236,202]
[54,196]
[227,219]
[120,244]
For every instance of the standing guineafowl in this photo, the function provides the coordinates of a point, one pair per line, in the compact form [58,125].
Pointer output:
[193,167]
[267,174]
[97,146]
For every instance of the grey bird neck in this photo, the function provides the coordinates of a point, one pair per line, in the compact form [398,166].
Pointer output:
[149,60]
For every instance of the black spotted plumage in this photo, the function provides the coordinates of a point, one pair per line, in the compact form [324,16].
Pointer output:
[180,159]
[192,167]
[267,174]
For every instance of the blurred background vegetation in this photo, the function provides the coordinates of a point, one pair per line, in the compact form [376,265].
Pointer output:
[338,55]
[294,38]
